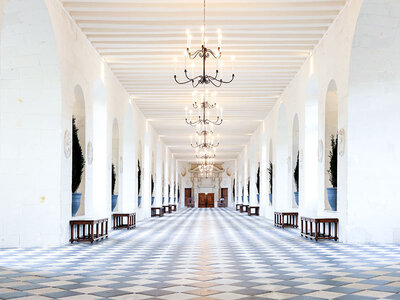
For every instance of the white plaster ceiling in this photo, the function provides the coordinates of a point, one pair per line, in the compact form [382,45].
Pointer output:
[270,40]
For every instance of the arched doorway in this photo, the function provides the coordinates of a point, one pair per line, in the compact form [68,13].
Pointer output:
[139,174]
[79,122]
[115,166]
[270,171]
[295,161]
[330,155]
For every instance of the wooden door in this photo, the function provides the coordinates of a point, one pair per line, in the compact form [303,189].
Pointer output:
[210,200]
[188,197]
[224,195]
[202,200]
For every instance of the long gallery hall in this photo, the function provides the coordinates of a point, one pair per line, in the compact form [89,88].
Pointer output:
[202,149]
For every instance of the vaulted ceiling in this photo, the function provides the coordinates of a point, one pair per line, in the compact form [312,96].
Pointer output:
[270,40]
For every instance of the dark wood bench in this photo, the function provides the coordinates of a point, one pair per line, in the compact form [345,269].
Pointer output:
[319,228]
[291,219]
[119,218]
[238,207]
[173,207]
[166,209]
[157,212]
[253,210]
[88,230]
[244,208]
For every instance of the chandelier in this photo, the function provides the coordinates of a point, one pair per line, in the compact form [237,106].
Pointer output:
[204,103]
[205,154]
[205,141]
[204,53]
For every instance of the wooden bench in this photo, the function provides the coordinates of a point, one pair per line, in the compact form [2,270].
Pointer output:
[253,210]
[173,207]
[166,209]
[118,221]
[291,219]
[238,207]
[244,208]
[329,230]
[88,230]
[157,212]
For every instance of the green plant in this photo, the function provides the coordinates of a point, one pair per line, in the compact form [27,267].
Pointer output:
[113,179]
[296,173]
[258,179]
[333,154]
[78,161]
[152,185]
[270,173]
[139,176]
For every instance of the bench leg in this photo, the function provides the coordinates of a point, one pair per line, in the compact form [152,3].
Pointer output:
[72,233]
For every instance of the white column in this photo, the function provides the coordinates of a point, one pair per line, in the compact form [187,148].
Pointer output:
[159,175]
[253,170]
[166,176]
[146,199]
[245,175]
[172,177]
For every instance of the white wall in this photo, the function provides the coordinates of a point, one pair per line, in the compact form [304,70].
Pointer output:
[50,56]
[367,73]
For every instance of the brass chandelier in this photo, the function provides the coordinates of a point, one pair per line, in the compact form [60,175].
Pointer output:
[204,103]
[203,53]
[205,141]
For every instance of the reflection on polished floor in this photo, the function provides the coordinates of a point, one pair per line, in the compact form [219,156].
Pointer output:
[202,254]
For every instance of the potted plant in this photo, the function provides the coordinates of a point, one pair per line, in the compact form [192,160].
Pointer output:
[296,180]
[248,190]
[152,189]
[332,171]
[258,183]
[139,176]
[114,198]
[174,192]
[78,163]
[270,173]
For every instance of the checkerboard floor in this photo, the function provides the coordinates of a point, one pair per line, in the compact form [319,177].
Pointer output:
[202,254]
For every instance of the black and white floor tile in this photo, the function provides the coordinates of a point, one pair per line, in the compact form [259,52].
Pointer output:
[202,254]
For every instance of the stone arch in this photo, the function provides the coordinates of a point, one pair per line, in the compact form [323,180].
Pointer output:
[331,129]
[371,142]
[36,154]
[79,114]
[295,155]
[115,159]
[140,163]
